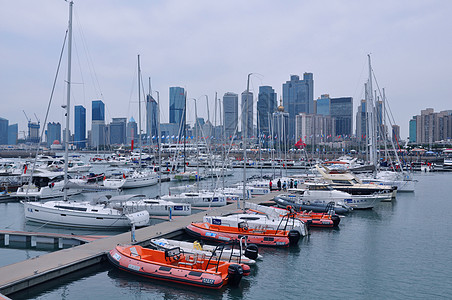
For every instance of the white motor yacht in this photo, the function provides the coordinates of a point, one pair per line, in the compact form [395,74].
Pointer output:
[199,199]
[155,207]
[138,178]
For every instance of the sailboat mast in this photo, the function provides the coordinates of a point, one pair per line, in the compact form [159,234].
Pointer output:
[160,143]
[245,115]
[68,99]
[139,108]
[185,123]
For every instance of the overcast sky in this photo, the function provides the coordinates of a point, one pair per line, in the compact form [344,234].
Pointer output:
[210,46]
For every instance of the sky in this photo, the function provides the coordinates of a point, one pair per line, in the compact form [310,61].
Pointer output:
[210,47]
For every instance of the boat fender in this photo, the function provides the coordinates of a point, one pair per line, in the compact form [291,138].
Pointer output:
[235,273]
[251,251]
[294,237]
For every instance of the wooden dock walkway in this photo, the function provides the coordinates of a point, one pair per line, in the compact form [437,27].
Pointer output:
[21,275]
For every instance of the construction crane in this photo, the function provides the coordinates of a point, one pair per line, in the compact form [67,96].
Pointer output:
[28,119]
[39,122]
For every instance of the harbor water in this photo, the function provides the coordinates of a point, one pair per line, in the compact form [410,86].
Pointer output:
[398,250]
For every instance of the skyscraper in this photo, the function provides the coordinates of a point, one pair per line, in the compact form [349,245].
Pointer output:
[80,127]
[3,131]
[98,127]
[53,133]
[247,114]
[230,113]
[177,105]
[151,117]
[13,132]
[266,106]
[361,121]
[118,131]
[98,110]
[323,105]
[132,131]
[342,110]
[298,97]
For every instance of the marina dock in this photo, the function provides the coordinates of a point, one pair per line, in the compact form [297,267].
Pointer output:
[22,275]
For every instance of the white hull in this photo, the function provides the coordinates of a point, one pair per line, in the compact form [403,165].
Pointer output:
[197,199]
[135,180]
[157,207]
[257,222]
[354,201]
[84,215]
[45,192]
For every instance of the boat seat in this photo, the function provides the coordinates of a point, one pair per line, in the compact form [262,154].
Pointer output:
[134,252]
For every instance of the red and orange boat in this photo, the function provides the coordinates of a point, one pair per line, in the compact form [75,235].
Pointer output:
[259,236]
[175,266]
[314,219]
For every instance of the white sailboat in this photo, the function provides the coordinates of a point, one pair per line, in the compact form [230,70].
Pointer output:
[78,214]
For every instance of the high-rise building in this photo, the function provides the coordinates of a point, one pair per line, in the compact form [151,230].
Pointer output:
[230,113]
[53,133]
[151,117]
[396,133]
[431,126]
[13,134]
[266,106]
[341,109]
[132,131]
[98,128]
[280,123]
[322,105]
[361,121]
[3,131]
[247,114]
[177,105]
[312,128]
[118,131]
[33,132]
[298,97]
[80,127]
[98,133]
[98,110]
[412,137]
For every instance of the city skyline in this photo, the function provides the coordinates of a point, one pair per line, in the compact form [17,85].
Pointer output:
[210,47]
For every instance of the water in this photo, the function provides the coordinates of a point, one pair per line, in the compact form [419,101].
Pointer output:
[398,250]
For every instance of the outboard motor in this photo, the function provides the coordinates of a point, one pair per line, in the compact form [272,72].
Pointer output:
[336,220]
[294,237]
[235,273]
[251,251]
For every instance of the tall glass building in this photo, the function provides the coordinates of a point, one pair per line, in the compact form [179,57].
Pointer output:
[3,131]
[230,113]
[53,133]
[80,127]
[132,131]
[13,133]
[177,105]
[342,110]
[98,110]
[323,105]
[247,114]
[118,131]
[266,106]
[298,97]
[151,117]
